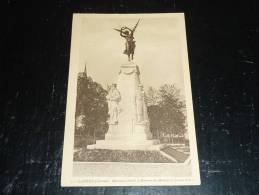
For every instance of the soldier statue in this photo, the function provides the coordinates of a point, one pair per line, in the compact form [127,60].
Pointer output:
[113,98]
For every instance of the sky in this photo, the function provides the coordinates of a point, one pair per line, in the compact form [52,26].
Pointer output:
[157,53]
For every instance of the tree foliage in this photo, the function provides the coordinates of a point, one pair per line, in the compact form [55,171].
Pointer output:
[91,108]
[166,111]
[152,97]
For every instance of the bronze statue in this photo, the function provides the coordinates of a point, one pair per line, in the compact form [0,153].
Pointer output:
[130,44]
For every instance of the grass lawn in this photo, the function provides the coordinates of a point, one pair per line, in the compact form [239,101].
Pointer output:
[136,156]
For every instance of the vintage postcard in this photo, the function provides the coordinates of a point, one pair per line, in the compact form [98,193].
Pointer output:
[129,116]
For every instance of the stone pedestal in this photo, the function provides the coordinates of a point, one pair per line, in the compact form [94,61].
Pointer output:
[132,130]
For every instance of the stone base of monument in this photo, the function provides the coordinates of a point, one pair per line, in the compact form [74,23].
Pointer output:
[132,130]
[117,139]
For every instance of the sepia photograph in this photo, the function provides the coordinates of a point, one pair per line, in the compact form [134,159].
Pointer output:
[129,116]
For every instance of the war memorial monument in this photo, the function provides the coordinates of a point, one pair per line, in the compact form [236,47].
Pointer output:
[128,118]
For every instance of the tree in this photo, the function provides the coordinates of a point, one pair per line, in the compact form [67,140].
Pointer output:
[152,97]
[91,108]
[166,111]
[154,119]
[173,118]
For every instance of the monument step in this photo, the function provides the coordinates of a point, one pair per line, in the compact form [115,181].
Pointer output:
[127,141]
[126,137]
[125,145]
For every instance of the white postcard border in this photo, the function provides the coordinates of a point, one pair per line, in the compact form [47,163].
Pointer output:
[67,178]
